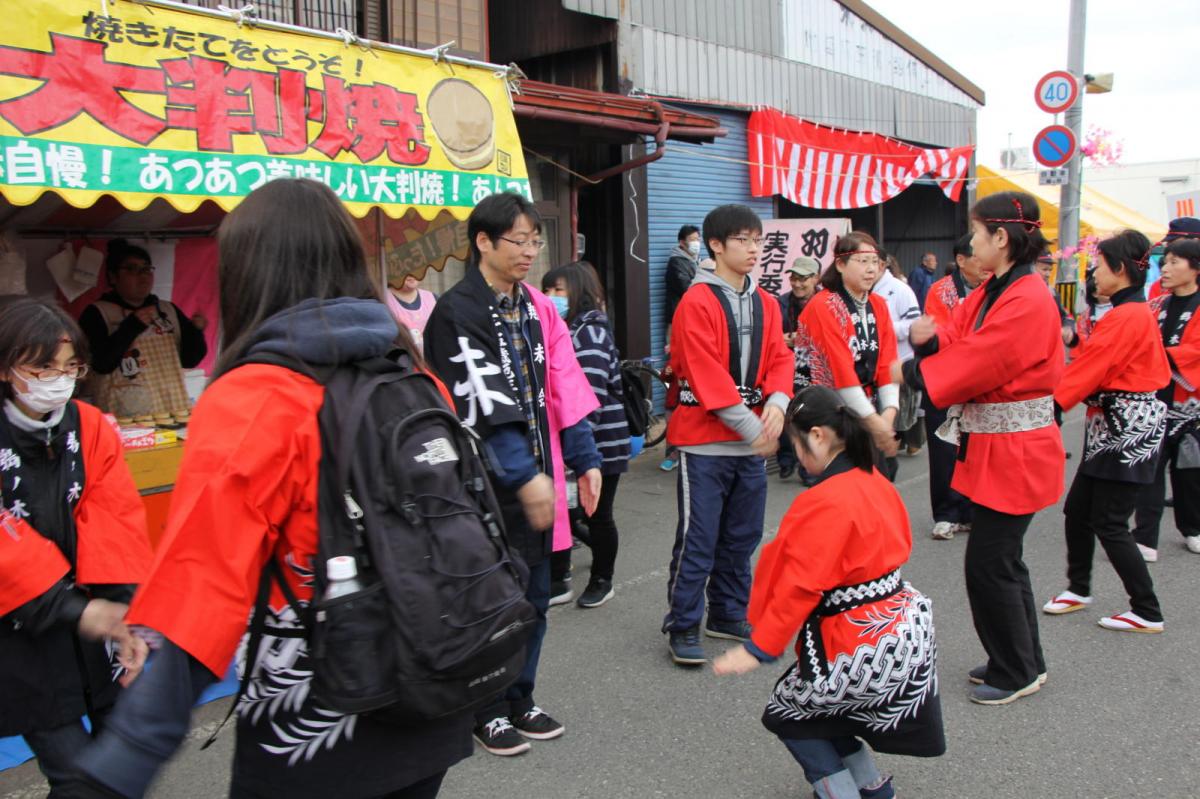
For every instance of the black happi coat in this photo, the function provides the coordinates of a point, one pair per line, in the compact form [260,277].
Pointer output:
[48,676]
[468,345]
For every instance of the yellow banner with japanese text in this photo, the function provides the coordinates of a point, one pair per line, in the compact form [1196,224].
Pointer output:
[158,101]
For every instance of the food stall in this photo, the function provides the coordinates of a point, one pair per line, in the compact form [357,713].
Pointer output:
[149,121]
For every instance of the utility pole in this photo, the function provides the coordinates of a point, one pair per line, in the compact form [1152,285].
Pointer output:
[1068,205]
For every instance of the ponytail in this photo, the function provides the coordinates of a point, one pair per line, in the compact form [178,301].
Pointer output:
[860,447]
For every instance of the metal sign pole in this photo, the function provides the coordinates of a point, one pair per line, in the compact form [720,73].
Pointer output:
[1068,210]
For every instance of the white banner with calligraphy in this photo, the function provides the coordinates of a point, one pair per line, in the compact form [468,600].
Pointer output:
[784,240]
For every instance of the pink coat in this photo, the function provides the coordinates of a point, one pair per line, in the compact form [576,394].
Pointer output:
[569,398]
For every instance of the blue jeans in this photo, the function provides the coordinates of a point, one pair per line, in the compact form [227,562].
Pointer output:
[518,699]
[839,768]
[722,500]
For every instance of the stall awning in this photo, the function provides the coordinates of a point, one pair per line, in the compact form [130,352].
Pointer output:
[639,115]
[1099,215]
[161,100]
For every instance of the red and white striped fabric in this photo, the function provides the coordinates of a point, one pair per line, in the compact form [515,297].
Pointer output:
[832,168]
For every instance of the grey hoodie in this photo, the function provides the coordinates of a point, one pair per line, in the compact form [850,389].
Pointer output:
[738,418]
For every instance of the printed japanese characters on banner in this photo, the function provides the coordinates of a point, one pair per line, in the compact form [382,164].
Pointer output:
[189,107]
[784,240]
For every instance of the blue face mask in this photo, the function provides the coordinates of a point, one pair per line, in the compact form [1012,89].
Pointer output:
[561,303]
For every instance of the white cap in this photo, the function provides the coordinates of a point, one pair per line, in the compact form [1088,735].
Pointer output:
[342,567]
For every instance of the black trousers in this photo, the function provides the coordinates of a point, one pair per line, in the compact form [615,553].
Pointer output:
[57,748]
[602,536]
[1098,508]
[1001,597]
[1185,487]
[603,529]
[948,505]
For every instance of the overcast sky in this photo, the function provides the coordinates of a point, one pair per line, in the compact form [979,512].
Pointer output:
[1152,46]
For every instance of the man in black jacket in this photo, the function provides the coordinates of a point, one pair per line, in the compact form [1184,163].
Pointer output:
[681,268]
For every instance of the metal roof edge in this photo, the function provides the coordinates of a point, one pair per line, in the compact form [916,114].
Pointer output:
[920,52]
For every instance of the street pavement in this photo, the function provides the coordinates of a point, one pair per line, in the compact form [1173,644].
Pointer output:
[1119,716]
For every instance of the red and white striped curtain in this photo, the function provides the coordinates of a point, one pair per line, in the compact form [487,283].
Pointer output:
[832,168]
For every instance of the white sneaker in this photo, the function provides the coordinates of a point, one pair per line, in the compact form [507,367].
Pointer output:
[1192,542]
[1066,602]
[1130,622]
[1148,554]
[943,531]
[962,527]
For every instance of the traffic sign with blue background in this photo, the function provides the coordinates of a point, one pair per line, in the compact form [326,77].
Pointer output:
[1054,145]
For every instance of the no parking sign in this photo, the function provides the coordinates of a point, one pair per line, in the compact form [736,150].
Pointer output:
[1054,145]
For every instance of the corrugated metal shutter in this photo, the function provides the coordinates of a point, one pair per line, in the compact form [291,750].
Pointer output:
[682,189]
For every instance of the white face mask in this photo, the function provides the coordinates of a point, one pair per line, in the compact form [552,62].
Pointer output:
[694,248]
[46,397]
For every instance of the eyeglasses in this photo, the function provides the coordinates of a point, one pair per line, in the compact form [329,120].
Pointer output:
[864,260]
[50,375]
[757,241]
[537,244]
[138,270]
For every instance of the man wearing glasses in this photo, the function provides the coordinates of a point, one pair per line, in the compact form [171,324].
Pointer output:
[508,359]
[140,344]
[734,383]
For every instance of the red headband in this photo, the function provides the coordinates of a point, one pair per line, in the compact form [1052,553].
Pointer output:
[1029,224]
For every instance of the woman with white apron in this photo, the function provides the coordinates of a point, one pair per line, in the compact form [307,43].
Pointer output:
[140,344]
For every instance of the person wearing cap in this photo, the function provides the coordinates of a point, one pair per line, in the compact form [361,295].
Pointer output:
[802,276]
[865,676]
[1117,372]
[1181,227]
[1044,266]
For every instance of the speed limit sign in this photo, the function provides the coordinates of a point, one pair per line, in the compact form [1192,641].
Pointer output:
[1056,92]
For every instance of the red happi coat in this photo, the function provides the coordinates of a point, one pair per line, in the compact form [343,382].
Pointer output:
[700,358]
[1016,354]
[823,336]
[1184,357]
[1117,370]
[942,299]
[248,491]
[864,641]
[112,547]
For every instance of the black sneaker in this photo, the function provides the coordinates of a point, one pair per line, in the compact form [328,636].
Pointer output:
[499,737]
[598,591]
[731,630]
[560,592]
[786,471]
[537,725]
[686,649]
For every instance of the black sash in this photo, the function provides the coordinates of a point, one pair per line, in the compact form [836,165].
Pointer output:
[746,384]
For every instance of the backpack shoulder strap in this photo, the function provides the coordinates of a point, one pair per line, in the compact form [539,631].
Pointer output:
[258,626]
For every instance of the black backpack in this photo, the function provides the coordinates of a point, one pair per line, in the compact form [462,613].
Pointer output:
[441,623]
[636,398]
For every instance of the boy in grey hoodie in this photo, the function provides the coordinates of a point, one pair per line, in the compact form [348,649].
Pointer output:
[734,379]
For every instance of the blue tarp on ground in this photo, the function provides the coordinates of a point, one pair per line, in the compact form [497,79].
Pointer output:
[14,752]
